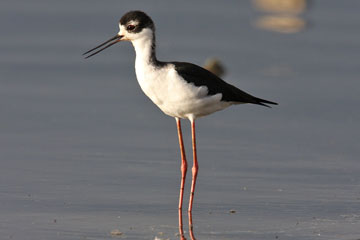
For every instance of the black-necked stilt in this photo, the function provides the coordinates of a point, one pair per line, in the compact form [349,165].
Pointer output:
[181,90]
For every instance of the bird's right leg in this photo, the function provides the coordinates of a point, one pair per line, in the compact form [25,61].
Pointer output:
[195,170]
[183,176]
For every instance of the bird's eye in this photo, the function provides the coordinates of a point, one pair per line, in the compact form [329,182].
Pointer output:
[130,27]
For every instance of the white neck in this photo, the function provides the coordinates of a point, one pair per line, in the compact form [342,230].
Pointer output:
[145,48]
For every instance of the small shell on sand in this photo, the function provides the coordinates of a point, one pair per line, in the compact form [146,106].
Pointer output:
[116,232]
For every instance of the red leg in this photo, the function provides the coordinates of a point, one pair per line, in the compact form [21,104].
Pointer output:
[191,231]
[195,170]
[183,176]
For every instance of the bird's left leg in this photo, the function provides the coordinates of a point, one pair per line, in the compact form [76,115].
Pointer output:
[183,176]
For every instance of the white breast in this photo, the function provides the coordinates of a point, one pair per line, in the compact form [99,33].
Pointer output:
[168,90]
[173,95]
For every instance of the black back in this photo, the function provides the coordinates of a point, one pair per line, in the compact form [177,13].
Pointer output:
[202,77]
[191,72]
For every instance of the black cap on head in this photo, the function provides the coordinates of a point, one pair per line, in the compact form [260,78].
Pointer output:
[142,18]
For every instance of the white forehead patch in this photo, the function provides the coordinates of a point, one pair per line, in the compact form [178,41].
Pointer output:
[122,29]
[133,22]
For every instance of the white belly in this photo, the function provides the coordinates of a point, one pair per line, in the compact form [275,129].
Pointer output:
[173,95]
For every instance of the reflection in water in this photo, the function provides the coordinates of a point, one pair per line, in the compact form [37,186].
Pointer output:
[191,228]
[181,229]
[283,15]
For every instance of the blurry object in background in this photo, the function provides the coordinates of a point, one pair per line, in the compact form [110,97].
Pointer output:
[215,66]
[281,6]
[283,16]
[282,24]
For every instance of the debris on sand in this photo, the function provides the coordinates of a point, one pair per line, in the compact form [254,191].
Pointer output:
[157,238]
[116,232]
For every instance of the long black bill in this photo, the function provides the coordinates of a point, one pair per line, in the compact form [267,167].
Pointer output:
[115,39]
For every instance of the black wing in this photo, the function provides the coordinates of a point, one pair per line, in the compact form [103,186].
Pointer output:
[202,77]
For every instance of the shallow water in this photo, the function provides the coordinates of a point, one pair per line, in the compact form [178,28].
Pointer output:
[84,152]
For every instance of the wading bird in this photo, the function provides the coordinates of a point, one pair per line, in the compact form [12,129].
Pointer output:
[181,90]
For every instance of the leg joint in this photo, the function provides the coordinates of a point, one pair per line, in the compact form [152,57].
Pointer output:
[195,170]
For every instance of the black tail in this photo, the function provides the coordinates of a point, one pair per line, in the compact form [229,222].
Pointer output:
[263,102]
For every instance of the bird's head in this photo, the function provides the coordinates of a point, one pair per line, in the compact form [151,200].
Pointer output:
[134,25]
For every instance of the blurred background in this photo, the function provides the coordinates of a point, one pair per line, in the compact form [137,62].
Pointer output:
[84,153]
